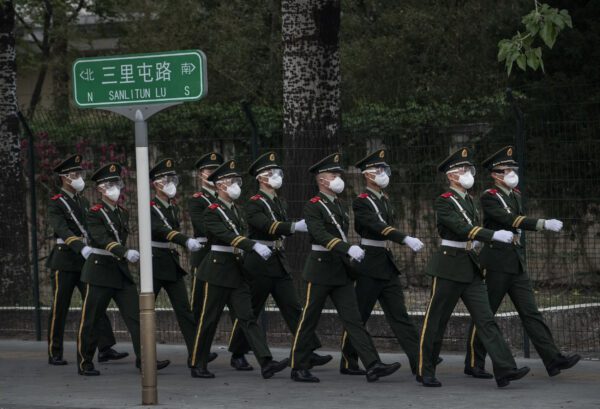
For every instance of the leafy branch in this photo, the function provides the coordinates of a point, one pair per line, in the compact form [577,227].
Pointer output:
[544,22]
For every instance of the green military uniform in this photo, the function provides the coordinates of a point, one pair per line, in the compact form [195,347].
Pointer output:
[456,275]
[505,267]
[224,283]
[377,278]
[269,225]
[197,205]
[167,272]
[106,273]
[327,273]
[67,217]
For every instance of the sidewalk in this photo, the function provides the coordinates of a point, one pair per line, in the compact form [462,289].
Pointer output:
[27,381]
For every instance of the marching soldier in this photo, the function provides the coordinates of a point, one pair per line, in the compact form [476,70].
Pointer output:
[327,274]
[106,273]
[378,280]
[223,279]
[456,274]
[268,224]
[167,272]
[504,264]
[66,215]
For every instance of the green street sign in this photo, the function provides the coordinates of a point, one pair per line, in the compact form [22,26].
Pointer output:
[173,76]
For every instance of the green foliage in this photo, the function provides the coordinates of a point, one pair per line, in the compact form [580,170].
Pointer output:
[544,22]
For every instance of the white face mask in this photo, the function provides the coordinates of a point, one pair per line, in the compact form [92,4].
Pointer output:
[336,185]
[275,181]
[234,191]
[170,190]
[466,180]
[113,193]
[78,184]
[511,179]
[382,180]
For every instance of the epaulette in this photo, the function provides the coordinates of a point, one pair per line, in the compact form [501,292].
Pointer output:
[96,208]
[256,197]
[214,206]
[315,199]
[446,195]
[492,191]
[152,203]
[516,190]
[56,197]
[363,195]
[198,194]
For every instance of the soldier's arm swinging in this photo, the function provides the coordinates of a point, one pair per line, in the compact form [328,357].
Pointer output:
[259,219]
[315,220]
[100,233]
[56,217]
[493,208]
[365,214]
[447,214]
[217,226]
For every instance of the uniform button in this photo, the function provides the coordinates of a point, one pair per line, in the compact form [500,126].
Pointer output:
[445,252]
[95,261]
[215,260]
[319,259]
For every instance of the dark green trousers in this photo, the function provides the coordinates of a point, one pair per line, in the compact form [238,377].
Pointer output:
[196,296]
[444,297]
[94,305]
[284,293]
[391,298]
[344,300]
[63,285]
[178,296]
[214,299]
[518,288]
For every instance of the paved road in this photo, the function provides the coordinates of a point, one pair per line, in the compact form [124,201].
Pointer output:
[27,381]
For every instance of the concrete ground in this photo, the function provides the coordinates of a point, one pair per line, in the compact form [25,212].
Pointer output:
[27,381]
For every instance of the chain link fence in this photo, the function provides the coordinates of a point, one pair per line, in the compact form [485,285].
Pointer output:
[558,128]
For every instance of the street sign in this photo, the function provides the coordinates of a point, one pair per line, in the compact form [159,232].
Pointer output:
[167,77]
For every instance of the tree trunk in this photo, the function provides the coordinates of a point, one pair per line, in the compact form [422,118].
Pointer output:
[60,61]
[36,96]
[15,278]
[311,97]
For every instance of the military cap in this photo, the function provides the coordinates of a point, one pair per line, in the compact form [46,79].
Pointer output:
[329,163]
[210,160]
[374,159]
[461,157]
[110,172]
[226,170]
[504,157]
[71,164]
[264,162]
[165,167]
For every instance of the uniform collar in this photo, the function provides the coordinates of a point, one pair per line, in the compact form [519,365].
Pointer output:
[270,196]
[463,195]
[506,191]
[210,192]
[71,195]
[378,195]
[111,207]
[328,197]
[165,204]
[226,204]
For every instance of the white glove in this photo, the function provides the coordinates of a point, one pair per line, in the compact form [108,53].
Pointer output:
[356,253]
[193,245]
[553,225]
[503,236]
[86,251]
[132,256]
[301,226]
[262,250]
[414,243]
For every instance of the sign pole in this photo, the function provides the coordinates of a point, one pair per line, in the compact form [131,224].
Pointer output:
[147,313]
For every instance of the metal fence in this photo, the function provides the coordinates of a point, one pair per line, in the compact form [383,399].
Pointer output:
[556,130]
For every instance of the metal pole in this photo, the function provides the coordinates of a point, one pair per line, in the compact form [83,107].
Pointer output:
[33,219]
[147,314]
[521,159]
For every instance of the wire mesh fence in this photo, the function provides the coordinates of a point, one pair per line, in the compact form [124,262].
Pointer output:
[561,135]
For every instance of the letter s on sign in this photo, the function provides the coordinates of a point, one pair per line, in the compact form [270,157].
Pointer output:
[186,89]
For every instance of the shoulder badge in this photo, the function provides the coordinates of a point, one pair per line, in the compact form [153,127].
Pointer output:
[213,206]
[56,197]
[256,197]
[152,203]
[363,195]
[198,194]
[315,199]
[96,208]
[492,191]
[446,195]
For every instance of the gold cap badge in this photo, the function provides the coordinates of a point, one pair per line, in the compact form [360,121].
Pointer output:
[272,157]
[169,163]
[336,158]
[232,165]
[464,153]
[382,154]
[112,168]
[509,152]
[213,156]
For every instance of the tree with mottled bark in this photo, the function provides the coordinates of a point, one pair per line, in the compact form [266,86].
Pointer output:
[15,278]
[311,95]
